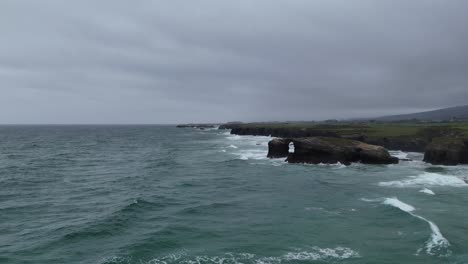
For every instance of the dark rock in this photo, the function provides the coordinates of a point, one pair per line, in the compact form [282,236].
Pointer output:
[283,132]
[200,126]
[413,144]
[447,151]
[416,142]
[230,125]
[278,148]
[405,159]
[332,150]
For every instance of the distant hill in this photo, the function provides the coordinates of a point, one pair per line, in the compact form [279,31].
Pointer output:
[458,112]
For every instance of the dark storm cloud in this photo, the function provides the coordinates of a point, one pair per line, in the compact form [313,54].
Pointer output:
[181,61]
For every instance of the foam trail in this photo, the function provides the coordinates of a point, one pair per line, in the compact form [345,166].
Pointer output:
[427,191]
[437,241]
[427,179]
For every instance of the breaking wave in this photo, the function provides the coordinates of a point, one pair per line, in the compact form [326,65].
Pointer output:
[427,191]
[399,154]
[248,147]
[427,179]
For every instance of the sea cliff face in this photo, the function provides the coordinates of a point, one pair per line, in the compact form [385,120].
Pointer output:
[447,151]
[282,132]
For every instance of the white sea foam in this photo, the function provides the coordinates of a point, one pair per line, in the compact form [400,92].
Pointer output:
[249,147]
[427,179]
[252,154]
[399,204]
[338,165]
[234,137]
[427,191]
[310,254]
[437,242]
[317,253]
[399,154]
[371,200]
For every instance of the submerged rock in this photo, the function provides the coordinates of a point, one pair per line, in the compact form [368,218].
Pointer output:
[447,151]
[278,148]
[332,150]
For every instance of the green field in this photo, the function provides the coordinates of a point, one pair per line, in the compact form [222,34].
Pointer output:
[377,130]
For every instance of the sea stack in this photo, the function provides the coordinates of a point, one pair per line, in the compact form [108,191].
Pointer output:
[328,150]
[278,148]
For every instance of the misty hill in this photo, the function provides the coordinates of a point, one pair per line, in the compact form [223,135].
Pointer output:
[458,112]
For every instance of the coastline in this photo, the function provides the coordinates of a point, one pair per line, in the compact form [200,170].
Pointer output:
[444,143]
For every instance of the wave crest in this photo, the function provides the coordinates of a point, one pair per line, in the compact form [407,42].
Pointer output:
[427,179]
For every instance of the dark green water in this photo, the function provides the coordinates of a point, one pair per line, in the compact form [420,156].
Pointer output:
[155,194]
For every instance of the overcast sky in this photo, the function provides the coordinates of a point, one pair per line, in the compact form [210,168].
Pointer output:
[211,61]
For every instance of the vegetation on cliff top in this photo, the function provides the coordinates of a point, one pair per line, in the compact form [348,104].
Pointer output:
[376,130]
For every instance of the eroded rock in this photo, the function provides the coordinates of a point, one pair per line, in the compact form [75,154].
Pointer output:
[278,148]
[332,150]
[447,151]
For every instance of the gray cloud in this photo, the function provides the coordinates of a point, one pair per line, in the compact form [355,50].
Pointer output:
[202,61]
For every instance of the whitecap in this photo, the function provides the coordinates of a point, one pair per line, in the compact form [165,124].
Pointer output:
[252,154]
[398,204]
[427,191]
[427,179]
[399,154]
[233,146]
[371,200]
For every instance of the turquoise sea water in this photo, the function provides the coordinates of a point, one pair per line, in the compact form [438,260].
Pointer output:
[158,194]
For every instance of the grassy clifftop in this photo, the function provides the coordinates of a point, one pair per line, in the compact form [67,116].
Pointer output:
[409,136]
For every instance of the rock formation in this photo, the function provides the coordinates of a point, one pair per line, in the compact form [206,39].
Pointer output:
[332,150]
[447,151]
[278,148]
[200,126]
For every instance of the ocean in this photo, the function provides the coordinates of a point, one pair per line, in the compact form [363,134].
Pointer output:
[163,195]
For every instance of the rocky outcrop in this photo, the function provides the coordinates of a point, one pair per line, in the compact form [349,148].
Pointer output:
[230,125]
[283,132]
[447,151]
[278,148]
[200,126]
[332,150]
